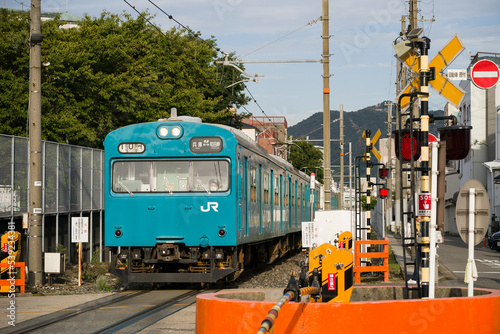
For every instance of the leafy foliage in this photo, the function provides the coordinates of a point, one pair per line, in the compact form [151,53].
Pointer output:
[306,157]
[109,72]
[373,202]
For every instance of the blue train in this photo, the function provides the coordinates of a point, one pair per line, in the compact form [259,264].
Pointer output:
[187,201]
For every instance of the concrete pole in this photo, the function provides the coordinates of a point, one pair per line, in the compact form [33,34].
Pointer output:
[326,103]
[35,274]
[341,202]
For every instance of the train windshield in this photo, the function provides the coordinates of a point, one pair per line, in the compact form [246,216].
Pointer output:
[203,176]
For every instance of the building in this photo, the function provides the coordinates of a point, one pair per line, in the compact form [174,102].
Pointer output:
[480,109]
[271,132]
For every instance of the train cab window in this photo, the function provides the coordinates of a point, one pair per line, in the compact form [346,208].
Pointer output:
[204,176]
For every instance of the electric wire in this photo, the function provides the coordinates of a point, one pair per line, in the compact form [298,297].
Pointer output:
[218,50]
[178,48]
[211,46]
[279,38]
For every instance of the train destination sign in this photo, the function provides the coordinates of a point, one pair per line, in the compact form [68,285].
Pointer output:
[131,148]
[205,144]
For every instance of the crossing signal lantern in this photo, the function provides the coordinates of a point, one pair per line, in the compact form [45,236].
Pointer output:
[457,139]
[383,172]
[408,146]
[384,193]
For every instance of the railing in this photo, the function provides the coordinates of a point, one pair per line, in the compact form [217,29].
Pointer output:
[20,282]
[358,269]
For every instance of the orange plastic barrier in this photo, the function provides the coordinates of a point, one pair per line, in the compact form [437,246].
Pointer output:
[478,315]
[20,282]
[358,269]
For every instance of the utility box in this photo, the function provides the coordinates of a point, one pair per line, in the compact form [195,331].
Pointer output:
[54,263]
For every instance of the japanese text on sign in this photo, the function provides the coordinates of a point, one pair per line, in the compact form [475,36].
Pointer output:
[79,229]
[205,145]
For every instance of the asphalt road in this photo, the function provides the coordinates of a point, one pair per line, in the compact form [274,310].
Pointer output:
[453,254]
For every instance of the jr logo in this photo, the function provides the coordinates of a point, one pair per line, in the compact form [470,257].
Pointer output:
[210,205]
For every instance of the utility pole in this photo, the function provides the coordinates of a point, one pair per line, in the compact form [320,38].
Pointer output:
[341,204]
[35,274]
[326,102]
[389,153]
[401,83]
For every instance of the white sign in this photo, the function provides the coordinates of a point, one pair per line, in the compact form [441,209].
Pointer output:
[457,74]
[79,229]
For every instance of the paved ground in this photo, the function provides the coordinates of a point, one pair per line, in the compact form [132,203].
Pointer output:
[28,306]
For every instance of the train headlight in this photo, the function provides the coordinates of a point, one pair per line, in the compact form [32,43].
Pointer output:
[169,131]
[118,233]
[176,131]
[163,132]
[222,232]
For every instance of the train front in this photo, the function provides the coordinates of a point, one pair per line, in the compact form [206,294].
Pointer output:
[170,211]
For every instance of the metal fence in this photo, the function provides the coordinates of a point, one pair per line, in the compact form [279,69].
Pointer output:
[72,184]
[72,177]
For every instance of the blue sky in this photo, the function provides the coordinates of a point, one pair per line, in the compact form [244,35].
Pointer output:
[363,66]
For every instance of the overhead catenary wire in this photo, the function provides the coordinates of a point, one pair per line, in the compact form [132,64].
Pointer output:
[279,38]
[215,49]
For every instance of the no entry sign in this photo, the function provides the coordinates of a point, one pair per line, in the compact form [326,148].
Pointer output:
[485,74]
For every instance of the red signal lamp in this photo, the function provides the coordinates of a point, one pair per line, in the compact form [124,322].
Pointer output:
[383,193]
[383,172]
[408,146]
[457,139]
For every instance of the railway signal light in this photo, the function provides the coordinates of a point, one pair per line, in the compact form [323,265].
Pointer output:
[408,146]
[457,139]
[383,172]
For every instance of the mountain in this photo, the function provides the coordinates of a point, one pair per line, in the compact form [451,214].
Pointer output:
[370,118]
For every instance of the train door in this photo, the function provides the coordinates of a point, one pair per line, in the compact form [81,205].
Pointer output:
[246,194]
[271,194]
[281,203]
[290,202]
[239,183]
[260,191]
[297,198]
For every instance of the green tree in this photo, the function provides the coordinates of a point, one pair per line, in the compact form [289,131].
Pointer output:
[111,71]
[373,202]
[306,157]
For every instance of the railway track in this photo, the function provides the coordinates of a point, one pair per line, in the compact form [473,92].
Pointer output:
[127,312]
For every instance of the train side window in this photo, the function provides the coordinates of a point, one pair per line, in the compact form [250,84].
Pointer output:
[266,188]
[277,192]
[253,184]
